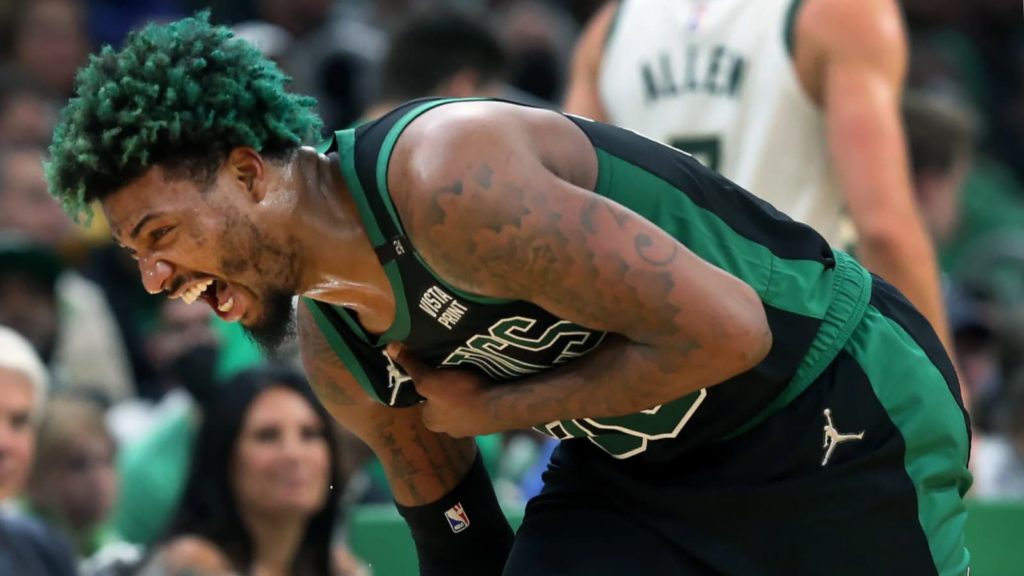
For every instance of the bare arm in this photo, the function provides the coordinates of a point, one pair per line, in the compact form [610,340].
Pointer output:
[582,96]
[487,214]
[421,466]
[855,56]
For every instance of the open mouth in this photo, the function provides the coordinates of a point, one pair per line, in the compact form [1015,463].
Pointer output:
[225,301]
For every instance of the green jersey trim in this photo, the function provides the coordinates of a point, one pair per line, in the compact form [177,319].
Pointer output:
[852,294]
[340,348]
[797,286]
[384,160]
[789,29]
[399,329]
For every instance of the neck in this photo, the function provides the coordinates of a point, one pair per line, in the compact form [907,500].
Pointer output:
[275,543]
[339,264]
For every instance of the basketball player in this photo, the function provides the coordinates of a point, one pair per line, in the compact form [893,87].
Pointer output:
[473,266]
[795,100]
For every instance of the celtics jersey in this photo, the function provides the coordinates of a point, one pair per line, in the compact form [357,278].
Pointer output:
[796,274]
[716,78]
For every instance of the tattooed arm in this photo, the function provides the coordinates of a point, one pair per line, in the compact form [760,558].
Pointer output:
[490,203]
[421,465]
[429,473]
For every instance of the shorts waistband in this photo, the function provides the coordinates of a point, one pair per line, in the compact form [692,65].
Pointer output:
[851,292]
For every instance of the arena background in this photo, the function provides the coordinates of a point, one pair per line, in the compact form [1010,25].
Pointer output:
[130,372]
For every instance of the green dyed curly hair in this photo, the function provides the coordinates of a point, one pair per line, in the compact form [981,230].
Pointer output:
[180,96]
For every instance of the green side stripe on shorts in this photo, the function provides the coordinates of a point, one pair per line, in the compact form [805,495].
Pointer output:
[796,286]
[914,394]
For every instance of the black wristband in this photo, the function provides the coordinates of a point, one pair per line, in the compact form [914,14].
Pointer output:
[463,533]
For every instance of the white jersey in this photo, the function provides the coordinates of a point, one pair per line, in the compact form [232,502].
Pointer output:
[716,78]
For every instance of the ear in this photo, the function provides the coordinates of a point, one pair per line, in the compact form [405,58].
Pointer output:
[248,168]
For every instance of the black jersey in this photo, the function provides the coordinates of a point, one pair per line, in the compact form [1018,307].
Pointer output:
[797,275]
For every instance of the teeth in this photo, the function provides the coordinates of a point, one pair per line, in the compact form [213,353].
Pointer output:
[227,306]
[192,294]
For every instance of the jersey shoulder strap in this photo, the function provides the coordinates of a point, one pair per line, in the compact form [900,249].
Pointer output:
[363,156]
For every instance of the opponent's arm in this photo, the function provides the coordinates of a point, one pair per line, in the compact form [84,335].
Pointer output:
[489,216]
[853,56]
[428,472]
[582,97]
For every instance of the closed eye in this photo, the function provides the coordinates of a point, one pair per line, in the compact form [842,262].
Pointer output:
[159,233]
[131,252]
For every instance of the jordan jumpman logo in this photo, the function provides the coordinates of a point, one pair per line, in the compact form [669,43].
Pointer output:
[833,437]
[396,377]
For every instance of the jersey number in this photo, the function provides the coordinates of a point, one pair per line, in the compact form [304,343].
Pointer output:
[707,150]
[625,436]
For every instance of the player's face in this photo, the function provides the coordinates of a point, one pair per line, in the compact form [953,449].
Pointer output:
[209,244]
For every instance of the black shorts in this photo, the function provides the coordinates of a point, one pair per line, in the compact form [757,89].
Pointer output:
[762,503]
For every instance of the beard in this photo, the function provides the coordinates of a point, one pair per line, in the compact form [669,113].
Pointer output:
[275,326]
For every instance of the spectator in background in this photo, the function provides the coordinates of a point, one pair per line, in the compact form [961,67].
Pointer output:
[941,137]
[184,349]
[976,347]
[73,483]
[50,42]
[332,59]
[26,206]
[27,111]
[941,140]
[26,546]
[28,303]
[999,471]
[157,431]
[90,347]
[271,40]
[538,38]
[82,354]
[111,20]
[440,53]
[23,390]
[262,495]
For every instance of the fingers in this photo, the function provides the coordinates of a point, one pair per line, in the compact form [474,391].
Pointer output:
[413,367]
[407,361]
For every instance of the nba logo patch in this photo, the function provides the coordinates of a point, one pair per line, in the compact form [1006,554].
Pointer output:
[457,518]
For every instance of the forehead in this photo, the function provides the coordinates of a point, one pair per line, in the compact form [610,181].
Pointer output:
[277,405]
[15,390]
[148,193]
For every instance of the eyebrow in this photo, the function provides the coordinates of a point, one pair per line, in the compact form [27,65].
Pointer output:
[138,227]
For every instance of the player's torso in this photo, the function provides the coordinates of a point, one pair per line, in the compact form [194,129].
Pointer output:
[508,340]
[715,78]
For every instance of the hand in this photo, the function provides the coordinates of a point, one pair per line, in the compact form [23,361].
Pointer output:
[455,399]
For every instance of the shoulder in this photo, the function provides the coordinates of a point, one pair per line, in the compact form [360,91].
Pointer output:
[867,35]
[868,28]
[192,552]
[446,134]
[34,538]
[467,175]
[455,149]
[453,139]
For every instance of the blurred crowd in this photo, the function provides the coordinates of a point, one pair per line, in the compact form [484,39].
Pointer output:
[109,461]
